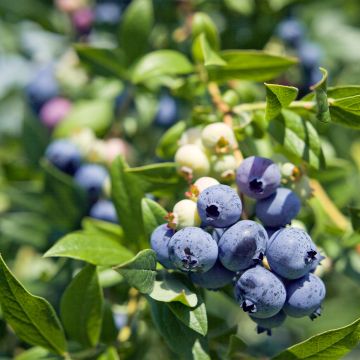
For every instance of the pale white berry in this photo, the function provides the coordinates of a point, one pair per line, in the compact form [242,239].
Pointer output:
[223,167]
[205,182]
[218,137]
[192,161]
[186,214]
[191,136]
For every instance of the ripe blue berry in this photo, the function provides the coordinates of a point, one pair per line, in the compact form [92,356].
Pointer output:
[291,253]
[107,13]
[104,210]
[159,243]
[279,208]
[265,325]
[219,206]
[304,296]
[215,278]
[242,245]
[167,113]
[193,249]
[91,178]
[291,31]
[64,155]
[42,88]
[217,233]
[260,292]
[258,177]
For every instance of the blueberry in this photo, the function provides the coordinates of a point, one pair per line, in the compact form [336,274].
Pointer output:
[217,233]
[291,253]
[64,155]
[309,55]
[159,243]
[265,325]
[120,320]
[258,177]
[219,206]
[242,245]
[42,88]
[104,210]
[193,249]
[215,278]
[260,292]
[91,178]
[108,13]
[317,262]
[279,208]
[291,31]
[54,110]
[167,113]
[304,296]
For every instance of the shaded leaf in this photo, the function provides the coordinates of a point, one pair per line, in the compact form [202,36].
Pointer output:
[32,318]
[92,248]
[161,62]
[355,218]
[346,111]
[140,271]
[278,97]
[136,25]
[298,137]
[237,349]
[101,61]
[168,144]
[81,307]
[199,353]
[153,215]
[330,345]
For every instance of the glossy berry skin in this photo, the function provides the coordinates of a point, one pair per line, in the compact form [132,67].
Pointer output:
[291,32]
[91,178]
[159,243]
[265,325]
[260,292]
[219,206]
[54,110]
[42,88]
[242,245]
[217,233]
[104,210]
[214,279]
[64,155]
[279,208]
[258,177]
[304,296]
[291,253]
[193,249]
[167,113]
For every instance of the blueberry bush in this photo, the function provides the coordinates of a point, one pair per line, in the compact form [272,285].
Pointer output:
[179,179]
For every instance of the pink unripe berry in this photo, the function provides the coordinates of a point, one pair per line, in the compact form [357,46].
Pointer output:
[54,110]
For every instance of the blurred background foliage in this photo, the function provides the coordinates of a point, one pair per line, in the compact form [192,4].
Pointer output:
[37,34]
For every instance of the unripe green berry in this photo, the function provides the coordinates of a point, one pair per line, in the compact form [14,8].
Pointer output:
[223,167]
[231,98]
[185,214]
[218,137]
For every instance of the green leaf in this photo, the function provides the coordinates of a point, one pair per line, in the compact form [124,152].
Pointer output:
[237,349]
[298,137]
[109,332]
[278,97]
[330,345]
[32,318]
[92,248]
[171,288]
[199,353]
[81,307]
[158,176]
[153,215]
[202,51]
[109,354]
[135,28]
[35,353]
[322,111]
[339,92]
[202,24]
[94,114]
[168,144]
[346,111]
[103,228]
[355,218]
[159,63]
[127,192]
[140,271]
[101,61]
[179,337]
[249,65]
[195,318]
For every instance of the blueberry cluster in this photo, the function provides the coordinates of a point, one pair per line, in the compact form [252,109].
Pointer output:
[207,151]
[93,178]
[271,264]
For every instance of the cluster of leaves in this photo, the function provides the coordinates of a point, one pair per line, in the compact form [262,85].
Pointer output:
[115,255]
